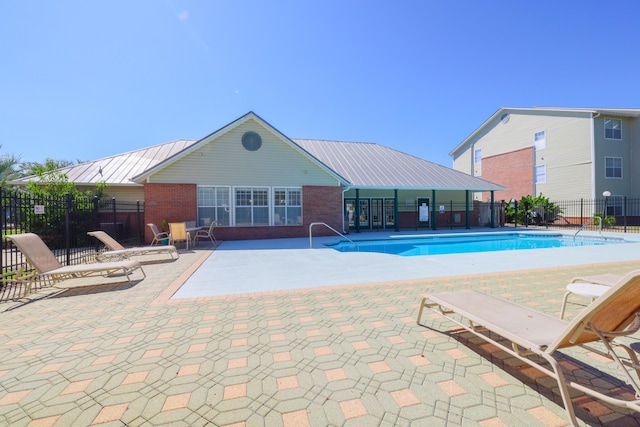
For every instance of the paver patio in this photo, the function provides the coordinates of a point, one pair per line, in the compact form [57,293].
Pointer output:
[342,356]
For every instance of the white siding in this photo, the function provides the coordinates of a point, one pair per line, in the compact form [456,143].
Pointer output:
[224,161]
[567,154]
[464,162]
[567,157]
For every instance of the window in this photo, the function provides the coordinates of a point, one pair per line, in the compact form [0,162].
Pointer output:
[477,156]
[612,129]
[615,206]
[252,206]
[287,206]
[213,205]
[541,174]
[613,167]
[540,140]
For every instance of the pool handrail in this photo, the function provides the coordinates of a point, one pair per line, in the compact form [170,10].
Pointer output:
[587,223]
[330,228]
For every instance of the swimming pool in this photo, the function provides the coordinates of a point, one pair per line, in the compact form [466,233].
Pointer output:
[457,244]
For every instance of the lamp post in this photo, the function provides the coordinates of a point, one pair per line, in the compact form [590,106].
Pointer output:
[606,195]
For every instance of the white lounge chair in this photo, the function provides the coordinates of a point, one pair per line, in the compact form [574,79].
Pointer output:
[40,257]
[614,314]
[117,251]
[588,286]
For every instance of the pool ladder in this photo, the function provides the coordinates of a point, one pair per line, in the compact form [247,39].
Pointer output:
[330,228]
[587,223]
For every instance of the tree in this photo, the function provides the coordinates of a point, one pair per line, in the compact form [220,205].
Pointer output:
[53,182]
[31,168]
[8,167]
[529,209]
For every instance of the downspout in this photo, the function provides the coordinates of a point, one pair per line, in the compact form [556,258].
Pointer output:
[593,155]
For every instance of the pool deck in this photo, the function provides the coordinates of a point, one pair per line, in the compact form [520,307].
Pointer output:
[297,353]
[247,267]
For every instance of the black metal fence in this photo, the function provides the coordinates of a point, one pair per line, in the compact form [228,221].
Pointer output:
[63,223]
[616,214]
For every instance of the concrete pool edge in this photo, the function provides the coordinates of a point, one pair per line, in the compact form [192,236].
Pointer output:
[266,266]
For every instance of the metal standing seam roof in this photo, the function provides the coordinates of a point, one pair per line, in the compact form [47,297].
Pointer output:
[119,169]
[370,165]
[363,165]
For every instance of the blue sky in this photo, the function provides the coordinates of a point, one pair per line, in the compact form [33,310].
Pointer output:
[89,79]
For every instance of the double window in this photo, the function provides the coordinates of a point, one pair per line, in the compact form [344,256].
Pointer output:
[613,167]
[287,208]
[612,129]
[250,206]
[213,205]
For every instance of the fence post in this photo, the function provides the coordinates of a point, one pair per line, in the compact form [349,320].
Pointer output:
[67,227]
[140,229]
[115,215]
[624,213]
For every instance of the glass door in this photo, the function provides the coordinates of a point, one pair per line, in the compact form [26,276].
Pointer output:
[364,214]
[377,215]
[350,213]
[389,213]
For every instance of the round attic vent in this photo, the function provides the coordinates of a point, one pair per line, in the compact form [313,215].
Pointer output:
[251,141]
[504,118]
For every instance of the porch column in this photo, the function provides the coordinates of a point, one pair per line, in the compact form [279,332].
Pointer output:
[467,217]
[493,211]
[434,224]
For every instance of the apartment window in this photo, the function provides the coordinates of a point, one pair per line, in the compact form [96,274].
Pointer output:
[252,206]
[540,140]
[287,206]
[613,167]
[477,156]
[612,129]
[213,205]
[541,174]
[615,206]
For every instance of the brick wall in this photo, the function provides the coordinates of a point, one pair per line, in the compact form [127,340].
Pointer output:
[178,202]
[171,202]
[513,170]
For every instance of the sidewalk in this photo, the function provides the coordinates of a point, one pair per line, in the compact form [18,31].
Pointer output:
[347,356]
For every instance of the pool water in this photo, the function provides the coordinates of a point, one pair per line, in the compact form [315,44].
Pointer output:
[457,244]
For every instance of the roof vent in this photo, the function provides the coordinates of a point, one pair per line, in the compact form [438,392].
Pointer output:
[504,119]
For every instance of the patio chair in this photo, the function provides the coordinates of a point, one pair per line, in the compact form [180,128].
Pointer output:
[207,233]
[40,257]
[178,233]
[116,251]
[588,286]
[157,234]
[614,314]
